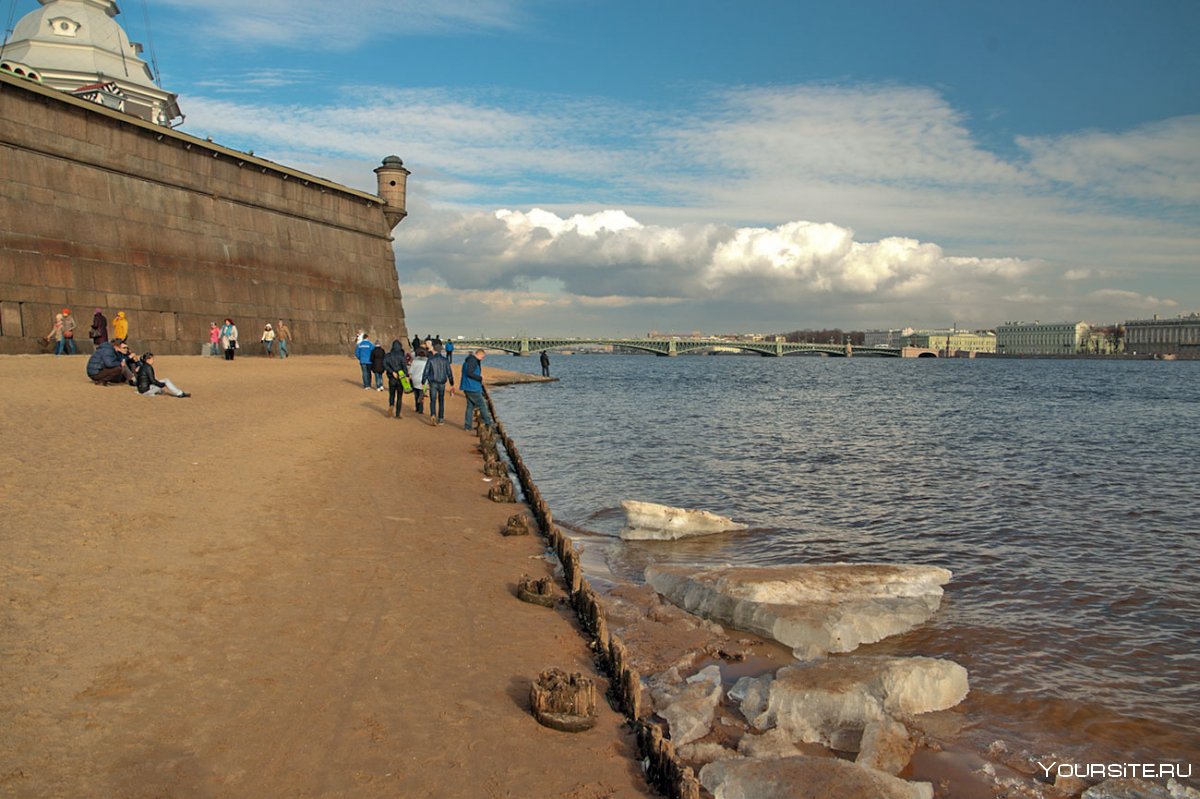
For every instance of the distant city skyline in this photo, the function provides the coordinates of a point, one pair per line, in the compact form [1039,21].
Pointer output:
[613,168]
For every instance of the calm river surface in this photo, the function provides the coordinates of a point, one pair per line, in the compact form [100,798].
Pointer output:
[1061,494]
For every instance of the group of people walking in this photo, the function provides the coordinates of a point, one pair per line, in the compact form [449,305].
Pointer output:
[425,372]
[223,339]
[62,333]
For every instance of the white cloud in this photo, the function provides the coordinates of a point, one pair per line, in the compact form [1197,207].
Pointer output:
[609,254]
[1159,161]
[612,207]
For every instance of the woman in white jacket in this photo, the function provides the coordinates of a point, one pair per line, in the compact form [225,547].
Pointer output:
[416,373]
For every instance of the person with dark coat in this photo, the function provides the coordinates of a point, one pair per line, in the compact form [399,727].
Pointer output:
[377,356]
[437,374]
[107,365]
[148,385]
[545,364]
[416,342]
[395,364]
[99,331]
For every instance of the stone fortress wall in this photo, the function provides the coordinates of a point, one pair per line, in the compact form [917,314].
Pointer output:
[101,209]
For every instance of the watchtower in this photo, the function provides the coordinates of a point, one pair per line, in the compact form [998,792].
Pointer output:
[393,187]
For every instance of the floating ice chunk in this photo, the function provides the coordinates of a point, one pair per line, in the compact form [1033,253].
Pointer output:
[833,701]
[646,521]
[815,609]
[804,777]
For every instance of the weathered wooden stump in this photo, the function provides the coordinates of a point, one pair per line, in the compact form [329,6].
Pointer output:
[562,701]
[502,491]
[494,468]
[536,592]
[518,524]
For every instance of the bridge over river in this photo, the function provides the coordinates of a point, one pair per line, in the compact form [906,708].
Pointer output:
[670,347]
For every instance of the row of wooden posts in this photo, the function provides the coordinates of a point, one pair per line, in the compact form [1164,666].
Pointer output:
[661,764]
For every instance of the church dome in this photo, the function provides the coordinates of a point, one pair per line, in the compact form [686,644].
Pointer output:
[79,45]
[79,36]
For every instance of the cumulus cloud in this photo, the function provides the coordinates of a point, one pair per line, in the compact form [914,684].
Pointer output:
[611,254]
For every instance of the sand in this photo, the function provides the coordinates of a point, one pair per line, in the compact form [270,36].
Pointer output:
[269,589]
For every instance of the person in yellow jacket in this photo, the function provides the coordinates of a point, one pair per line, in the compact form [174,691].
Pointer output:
[121,326]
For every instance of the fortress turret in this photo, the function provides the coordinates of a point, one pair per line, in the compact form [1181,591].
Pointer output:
[393,185]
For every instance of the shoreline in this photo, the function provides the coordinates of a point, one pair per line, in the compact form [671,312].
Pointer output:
[964,768]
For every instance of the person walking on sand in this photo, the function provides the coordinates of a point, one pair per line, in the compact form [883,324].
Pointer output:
[99,331]
[229,339]
[268,340]
[471,383]
[68,332]
[214,338]
[396,366]
[283,334]
[148,385]
[416,373]
[437,374]
[55,335]
[545,359]
[362,351]
[449,351]
[378,353]
[121,326]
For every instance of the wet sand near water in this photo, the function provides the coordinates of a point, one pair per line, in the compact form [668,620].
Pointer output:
[269,589]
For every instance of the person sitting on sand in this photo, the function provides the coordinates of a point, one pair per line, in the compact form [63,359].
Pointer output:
[107,365]
[148,385]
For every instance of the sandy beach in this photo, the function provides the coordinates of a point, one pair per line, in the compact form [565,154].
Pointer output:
[271,588]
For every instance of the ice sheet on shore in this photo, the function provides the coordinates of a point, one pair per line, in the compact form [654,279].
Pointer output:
[646,521]
[805,777]
[833,701]
[688,706]
[815,609]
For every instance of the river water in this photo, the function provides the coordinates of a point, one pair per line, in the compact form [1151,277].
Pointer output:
[1062,494]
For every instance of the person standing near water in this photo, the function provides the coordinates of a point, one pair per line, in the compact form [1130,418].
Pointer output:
[437,374]
[471,384]
[545,359]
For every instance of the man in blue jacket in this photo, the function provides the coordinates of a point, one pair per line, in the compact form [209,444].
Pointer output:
[471,384]
[107,364]
[362,351]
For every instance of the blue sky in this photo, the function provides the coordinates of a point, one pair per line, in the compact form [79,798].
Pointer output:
[585,167]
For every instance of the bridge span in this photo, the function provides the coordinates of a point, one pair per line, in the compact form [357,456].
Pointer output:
[670,347]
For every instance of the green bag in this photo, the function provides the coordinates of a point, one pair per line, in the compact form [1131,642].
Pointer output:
[405,383]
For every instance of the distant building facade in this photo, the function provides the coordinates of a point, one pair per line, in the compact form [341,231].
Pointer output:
[885,338]
[1177,336]
[1060,338]
[951,340]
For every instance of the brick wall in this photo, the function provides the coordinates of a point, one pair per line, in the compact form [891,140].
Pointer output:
[98,209]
